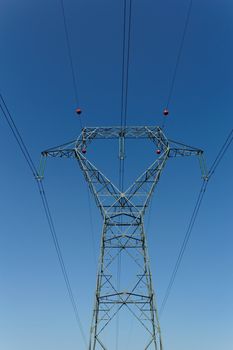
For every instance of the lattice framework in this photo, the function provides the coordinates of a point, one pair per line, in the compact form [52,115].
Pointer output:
[123,231]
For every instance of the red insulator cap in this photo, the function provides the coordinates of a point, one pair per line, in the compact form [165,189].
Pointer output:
[78,111]
[165,112]
[158,151]
[84,150]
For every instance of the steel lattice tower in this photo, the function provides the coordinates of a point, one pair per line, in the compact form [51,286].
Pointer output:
[123,231]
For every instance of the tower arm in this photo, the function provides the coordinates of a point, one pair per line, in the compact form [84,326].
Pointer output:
[178,149]
[60,153]
[184,152]
[66,150]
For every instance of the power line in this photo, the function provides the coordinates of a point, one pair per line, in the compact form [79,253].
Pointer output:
[201,194]
[184,245]
[221,154]
[179,53]
[77,100]
[8,117]
[123,61]
[127,63]
[121,161]
[125,78]
[178,57]
[60,258]
[124,108]
[70,57]
[17,135]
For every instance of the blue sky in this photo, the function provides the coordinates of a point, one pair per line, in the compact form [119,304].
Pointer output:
[37,86]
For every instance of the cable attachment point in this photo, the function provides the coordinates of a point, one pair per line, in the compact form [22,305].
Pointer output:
[203,167]
[39,176]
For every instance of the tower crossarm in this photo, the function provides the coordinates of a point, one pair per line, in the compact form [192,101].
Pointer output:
[88,134]
[129,132]
[66,150]
[175,152]
[178,149]
[61,153]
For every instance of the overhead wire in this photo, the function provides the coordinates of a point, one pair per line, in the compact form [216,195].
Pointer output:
[71,61]
[221,154]
[10,121]
[125,79]
[184,245]
[15,132]
[127,15]
[121,161]
[211,171]
[127,64]
[193,218]
[60,258]
[123,60]
[77,101]
[178,57]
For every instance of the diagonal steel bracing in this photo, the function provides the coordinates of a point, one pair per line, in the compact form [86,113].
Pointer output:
[123,231]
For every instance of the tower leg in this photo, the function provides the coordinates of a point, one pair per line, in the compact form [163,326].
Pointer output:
[126,240]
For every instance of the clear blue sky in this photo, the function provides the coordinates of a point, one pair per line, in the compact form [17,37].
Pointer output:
[36,83]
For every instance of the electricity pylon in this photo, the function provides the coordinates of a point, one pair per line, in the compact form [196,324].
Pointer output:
[123,233]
